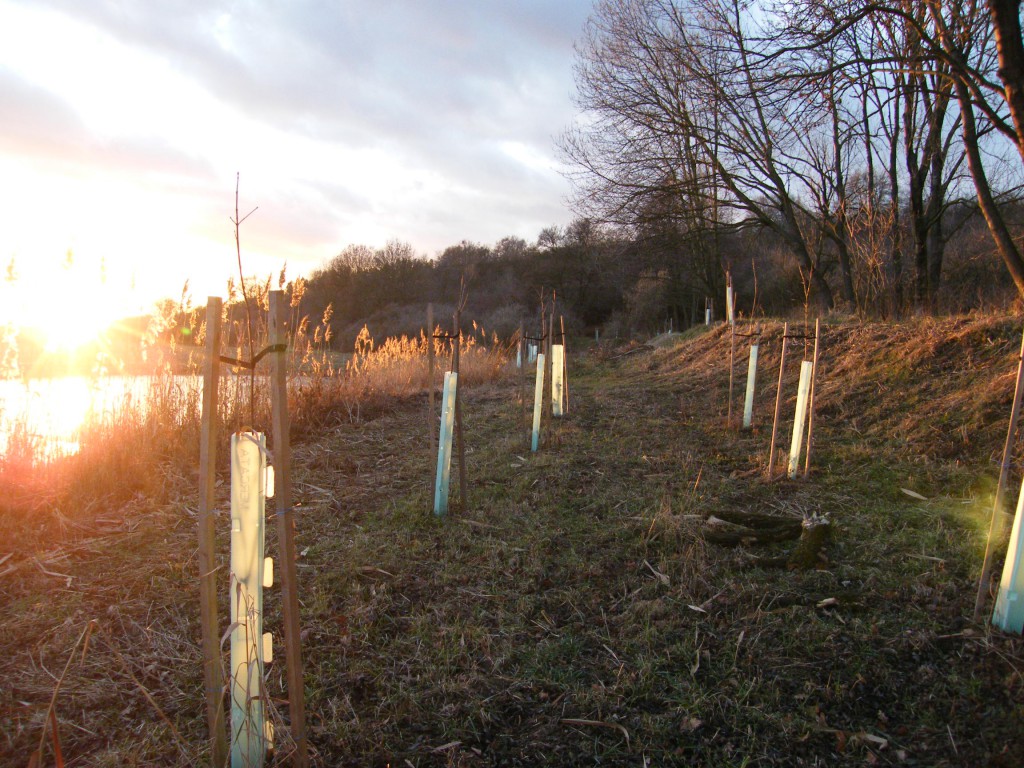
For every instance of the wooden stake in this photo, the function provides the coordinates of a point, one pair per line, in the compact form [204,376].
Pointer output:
[286,527]
[523,355]
[778,402]
[548,377]
[213,668]
[565,369]
[997,525]
[430,378]
[810,404]
[459,437]
[732,368]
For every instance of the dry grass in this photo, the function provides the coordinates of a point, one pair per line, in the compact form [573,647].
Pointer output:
[376,376]
[573,613]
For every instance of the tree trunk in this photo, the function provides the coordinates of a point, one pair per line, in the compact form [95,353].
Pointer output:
[1010,46]
[936,243]
[993,217]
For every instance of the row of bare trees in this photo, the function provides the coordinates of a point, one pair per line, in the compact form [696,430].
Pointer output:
[849,129]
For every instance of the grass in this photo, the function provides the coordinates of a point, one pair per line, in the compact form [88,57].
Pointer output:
[571,612]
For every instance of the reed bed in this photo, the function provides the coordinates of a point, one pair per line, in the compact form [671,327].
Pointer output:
[136,432]
[328,389]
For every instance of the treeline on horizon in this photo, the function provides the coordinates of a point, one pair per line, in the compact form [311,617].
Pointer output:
[623,284]
[619,283]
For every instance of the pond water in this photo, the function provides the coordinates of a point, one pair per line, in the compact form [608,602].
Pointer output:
[50,413]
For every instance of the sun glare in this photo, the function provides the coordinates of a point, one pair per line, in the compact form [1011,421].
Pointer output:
[69,327]
[56,314]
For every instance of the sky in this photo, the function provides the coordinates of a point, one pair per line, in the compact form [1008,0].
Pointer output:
[124,123]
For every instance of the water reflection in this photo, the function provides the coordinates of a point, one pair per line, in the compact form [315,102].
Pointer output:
[51,413]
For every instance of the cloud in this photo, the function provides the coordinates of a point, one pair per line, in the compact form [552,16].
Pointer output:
[35,120]
[367,119]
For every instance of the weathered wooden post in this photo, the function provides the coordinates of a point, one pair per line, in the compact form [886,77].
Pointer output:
[778,402]
[732,369]
[281,425]
[430,377]
[523,354]
[459,435]
[213,670]
[550,340]
[565,368]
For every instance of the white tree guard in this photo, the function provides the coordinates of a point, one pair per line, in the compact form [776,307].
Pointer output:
[557,380]
[800,419]
[249,574]
[444,444]
[538,401]
[1009,611]
[748,402]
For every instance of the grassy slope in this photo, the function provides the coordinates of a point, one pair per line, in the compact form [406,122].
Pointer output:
[573,614]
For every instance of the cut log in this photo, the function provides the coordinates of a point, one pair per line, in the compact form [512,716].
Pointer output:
[732,528]
[735,527]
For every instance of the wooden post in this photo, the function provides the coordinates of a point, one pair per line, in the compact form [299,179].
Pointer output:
[523,355]
[778,402]
[277,321]
[810,405]
[996,525]
[565,368]
[459,437]
[213,668]
[548,377]
[732,368]
[430,377]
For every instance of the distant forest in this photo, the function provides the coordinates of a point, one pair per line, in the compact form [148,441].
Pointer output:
[619,283]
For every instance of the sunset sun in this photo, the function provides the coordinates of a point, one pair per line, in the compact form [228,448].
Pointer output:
[80,306]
